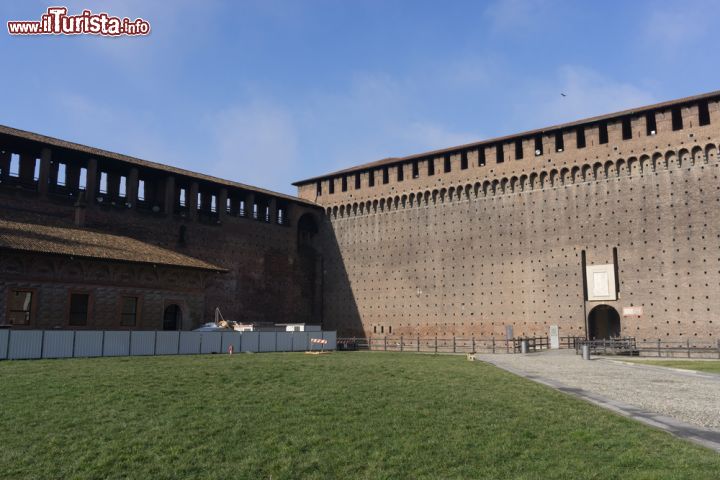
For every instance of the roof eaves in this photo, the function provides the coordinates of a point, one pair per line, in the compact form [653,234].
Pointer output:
[209,267]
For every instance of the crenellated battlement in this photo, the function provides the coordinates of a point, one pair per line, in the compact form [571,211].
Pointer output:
[688,124]
[646,164]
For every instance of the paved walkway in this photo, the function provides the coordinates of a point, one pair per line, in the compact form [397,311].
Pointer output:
[686,404]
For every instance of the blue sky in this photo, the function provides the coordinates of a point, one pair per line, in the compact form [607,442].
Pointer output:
[268,92]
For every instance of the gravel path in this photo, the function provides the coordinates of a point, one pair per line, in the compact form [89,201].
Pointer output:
[685,396]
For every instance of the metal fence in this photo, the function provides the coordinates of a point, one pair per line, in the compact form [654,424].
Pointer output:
[33,344]
[676,349]
[450,344]
[657,348]
[609,346]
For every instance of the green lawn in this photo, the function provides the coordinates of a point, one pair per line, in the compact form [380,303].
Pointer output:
[344,415]
[711,366]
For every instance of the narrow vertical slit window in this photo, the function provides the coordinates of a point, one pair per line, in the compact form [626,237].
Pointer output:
[518,149]
[344,183]
[538,145]
[400,172]
[559,142]
[481,157]
[703,113]
[615,266]
[331,186]
[583,263]
[463,160]
[386,175]
[14,165]
[357,181]
[431,166]
[415,169]
[318,188]
[677,120]
[371,178]
[103,182]
[62,174]
[122,190]
[499,154]
[650,124]
[603,133]
[447,164]
[83,179]
[580,137]
[626,128]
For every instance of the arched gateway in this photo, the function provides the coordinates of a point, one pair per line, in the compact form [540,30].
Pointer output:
[603,322]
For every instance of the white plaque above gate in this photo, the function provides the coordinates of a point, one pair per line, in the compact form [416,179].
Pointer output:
[601,282]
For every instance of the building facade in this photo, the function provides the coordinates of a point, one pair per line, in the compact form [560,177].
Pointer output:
[606,226]
[602,227]
[176,244]
[59,277]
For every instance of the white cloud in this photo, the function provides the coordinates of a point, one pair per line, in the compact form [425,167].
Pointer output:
[430,136]
[128,131]
[255,143]
[380,116]
[167,40]
[78,106]
[671,29]
[513,14]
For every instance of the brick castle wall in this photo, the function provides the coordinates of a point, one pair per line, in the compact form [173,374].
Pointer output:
[472,250]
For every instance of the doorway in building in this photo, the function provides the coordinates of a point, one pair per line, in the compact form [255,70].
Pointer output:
[603,322]
[172,318]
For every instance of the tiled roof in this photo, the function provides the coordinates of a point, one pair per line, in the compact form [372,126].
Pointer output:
[78,242]
[491,141]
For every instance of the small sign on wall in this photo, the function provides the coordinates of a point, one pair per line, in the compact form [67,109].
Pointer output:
[632,311]
[601,282]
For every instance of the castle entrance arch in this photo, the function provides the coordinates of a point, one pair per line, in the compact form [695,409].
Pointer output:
[603,322]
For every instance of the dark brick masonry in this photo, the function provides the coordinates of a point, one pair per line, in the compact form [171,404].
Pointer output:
[473,239]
